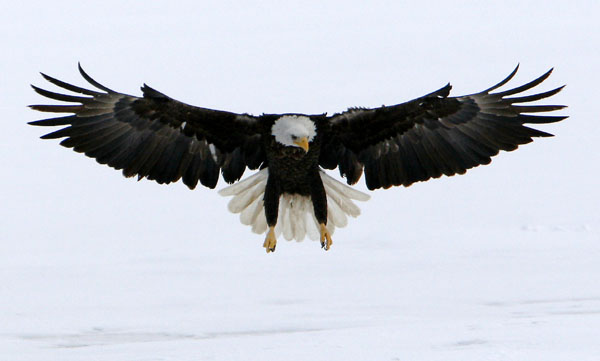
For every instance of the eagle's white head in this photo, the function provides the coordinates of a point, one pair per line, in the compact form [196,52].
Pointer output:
[294,131]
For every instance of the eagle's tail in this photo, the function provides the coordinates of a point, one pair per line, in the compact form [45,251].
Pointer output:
[296,214]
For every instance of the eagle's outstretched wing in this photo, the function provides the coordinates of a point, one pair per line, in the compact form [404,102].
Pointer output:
[433,135]
[155,136]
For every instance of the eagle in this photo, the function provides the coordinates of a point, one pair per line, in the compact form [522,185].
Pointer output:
[162,139]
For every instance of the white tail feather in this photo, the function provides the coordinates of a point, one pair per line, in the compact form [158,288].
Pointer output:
[296,218]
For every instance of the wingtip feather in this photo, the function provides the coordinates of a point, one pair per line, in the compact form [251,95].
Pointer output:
[90,80]
[503,81]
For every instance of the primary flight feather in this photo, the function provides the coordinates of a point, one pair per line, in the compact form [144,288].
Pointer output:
[162,139]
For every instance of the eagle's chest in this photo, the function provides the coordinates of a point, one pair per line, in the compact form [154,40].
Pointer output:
[292,167]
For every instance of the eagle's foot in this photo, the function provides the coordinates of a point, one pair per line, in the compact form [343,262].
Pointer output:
[325,237]
[270,240]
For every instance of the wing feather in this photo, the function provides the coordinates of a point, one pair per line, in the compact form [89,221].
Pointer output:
[153,136]
[436,134]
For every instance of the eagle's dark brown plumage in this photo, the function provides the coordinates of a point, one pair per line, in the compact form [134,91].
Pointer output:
[162,139]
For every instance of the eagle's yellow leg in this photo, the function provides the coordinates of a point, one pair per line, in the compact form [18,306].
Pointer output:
[325,237]
[270,240]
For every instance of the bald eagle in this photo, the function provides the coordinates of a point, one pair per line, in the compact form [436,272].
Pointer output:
[161,139]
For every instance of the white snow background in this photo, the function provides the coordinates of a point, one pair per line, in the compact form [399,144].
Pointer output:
[500,264]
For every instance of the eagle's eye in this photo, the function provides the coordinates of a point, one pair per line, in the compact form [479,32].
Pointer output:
[294,138]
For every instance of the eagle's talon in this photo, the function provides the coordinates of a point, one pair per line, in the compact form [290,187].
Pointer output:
[325,237]
[270,240]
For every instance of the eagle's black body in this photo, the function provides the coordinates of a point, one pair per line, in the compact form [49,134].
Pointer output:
[293,171]
[161,139]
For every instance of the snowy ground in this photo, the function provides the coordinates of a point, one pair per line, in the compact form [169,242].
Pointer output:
[500,264]
[471,294]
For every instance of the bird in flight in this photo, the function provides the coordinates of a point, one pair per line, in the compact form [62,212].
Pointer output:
[161,139]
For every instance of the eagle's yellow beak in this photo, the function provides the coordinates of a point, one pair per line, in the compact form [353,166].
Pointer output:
[302,143]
